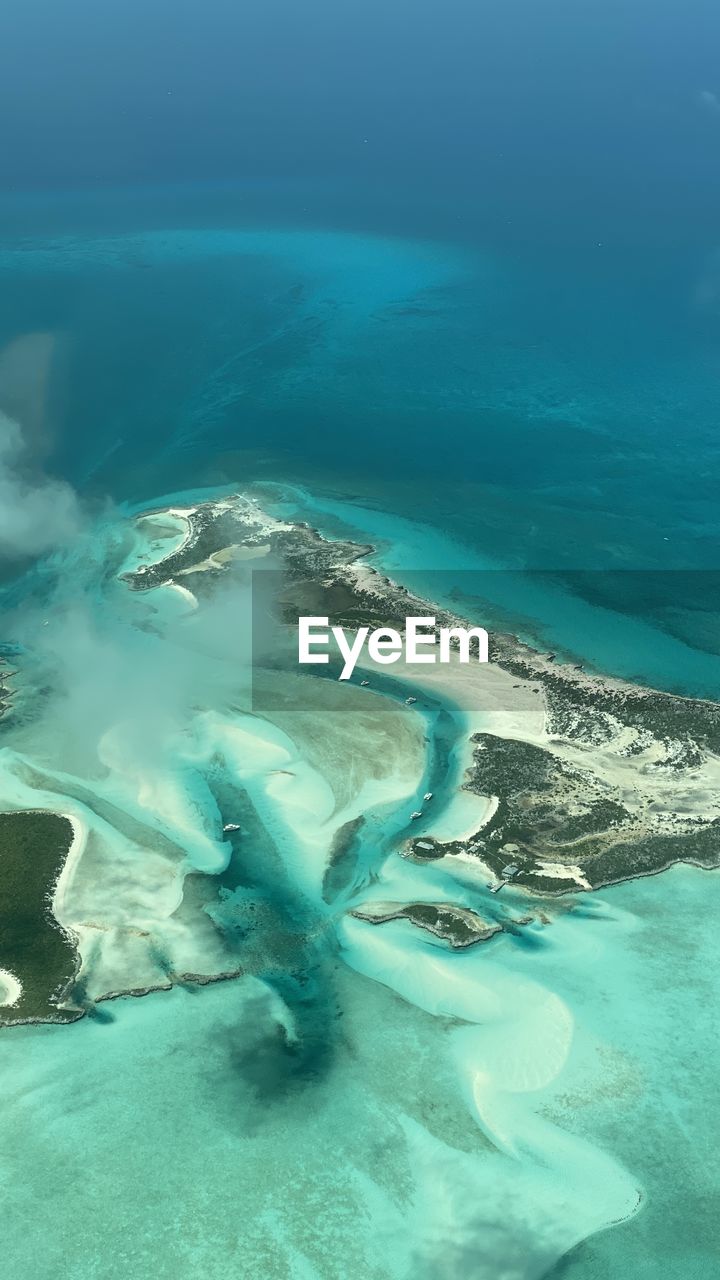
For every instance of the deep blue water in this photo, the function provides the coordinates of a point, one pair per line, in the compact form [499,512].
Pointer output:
[549,407]
[552,400]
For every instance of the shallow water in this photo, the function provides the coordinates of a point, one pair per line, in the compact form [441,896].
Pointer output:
[507,1101]
[198,1141]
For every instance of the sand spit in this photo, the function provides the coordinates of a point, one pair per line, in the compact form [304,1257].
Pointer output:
[309,777]
[173,980]
[63,888]
[184,594]
[462,818]
[160,533]
[181,516]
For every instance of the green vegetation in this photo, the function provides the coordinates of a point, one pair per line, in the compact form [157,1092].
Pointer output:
[5,693]
[457,925]
[210,531]
[33,946]
[545,805]
[592,710]
[549,809]
[627,859]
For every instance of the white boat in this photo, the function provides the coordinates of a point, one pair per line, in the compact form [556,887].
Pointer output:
[409,701]
[428,795]
[231,826]
[416,814]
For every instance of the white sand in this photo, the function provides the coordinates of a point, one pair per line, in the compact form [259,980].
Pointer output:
[509,707]
[227,555]
[493,700]
[118,898]
[63,888]
[511,1062]
[170,794]
[183,593]
[10,989]
[155,538]
[181,516]
[301,803]
[461,818]
[561,871]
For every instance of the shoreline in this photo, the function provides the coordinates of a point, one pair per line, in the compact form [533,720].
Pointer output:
[64,881]
[523,696]
[492,699]
[179,980]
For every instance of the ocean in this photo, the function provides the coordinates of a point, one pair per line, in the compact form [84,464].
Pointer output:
[572,414]
[448,281]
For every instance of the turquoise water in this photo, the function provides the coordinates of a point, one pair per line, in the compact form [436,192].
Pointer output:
[477,409]
[508,1103]
[179,1127]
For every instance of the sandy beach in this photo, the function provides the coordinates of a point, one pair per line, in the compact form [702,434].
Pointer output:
[63,888]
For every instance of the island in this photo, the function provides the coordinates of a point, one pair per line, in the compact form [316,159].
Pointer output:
[455,925]
[38,958]
[284,810]
[594,779]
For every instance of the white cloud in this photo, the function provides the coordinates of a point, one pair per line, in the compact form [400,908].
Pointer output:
[37,512]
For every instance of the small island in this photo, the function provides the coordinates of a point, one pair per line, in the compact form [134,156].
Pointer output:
[458,926]
[38,956]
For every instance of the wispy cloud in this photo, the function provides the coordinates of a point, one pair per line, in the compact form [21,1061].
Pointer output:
[708,100]
[37,512]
